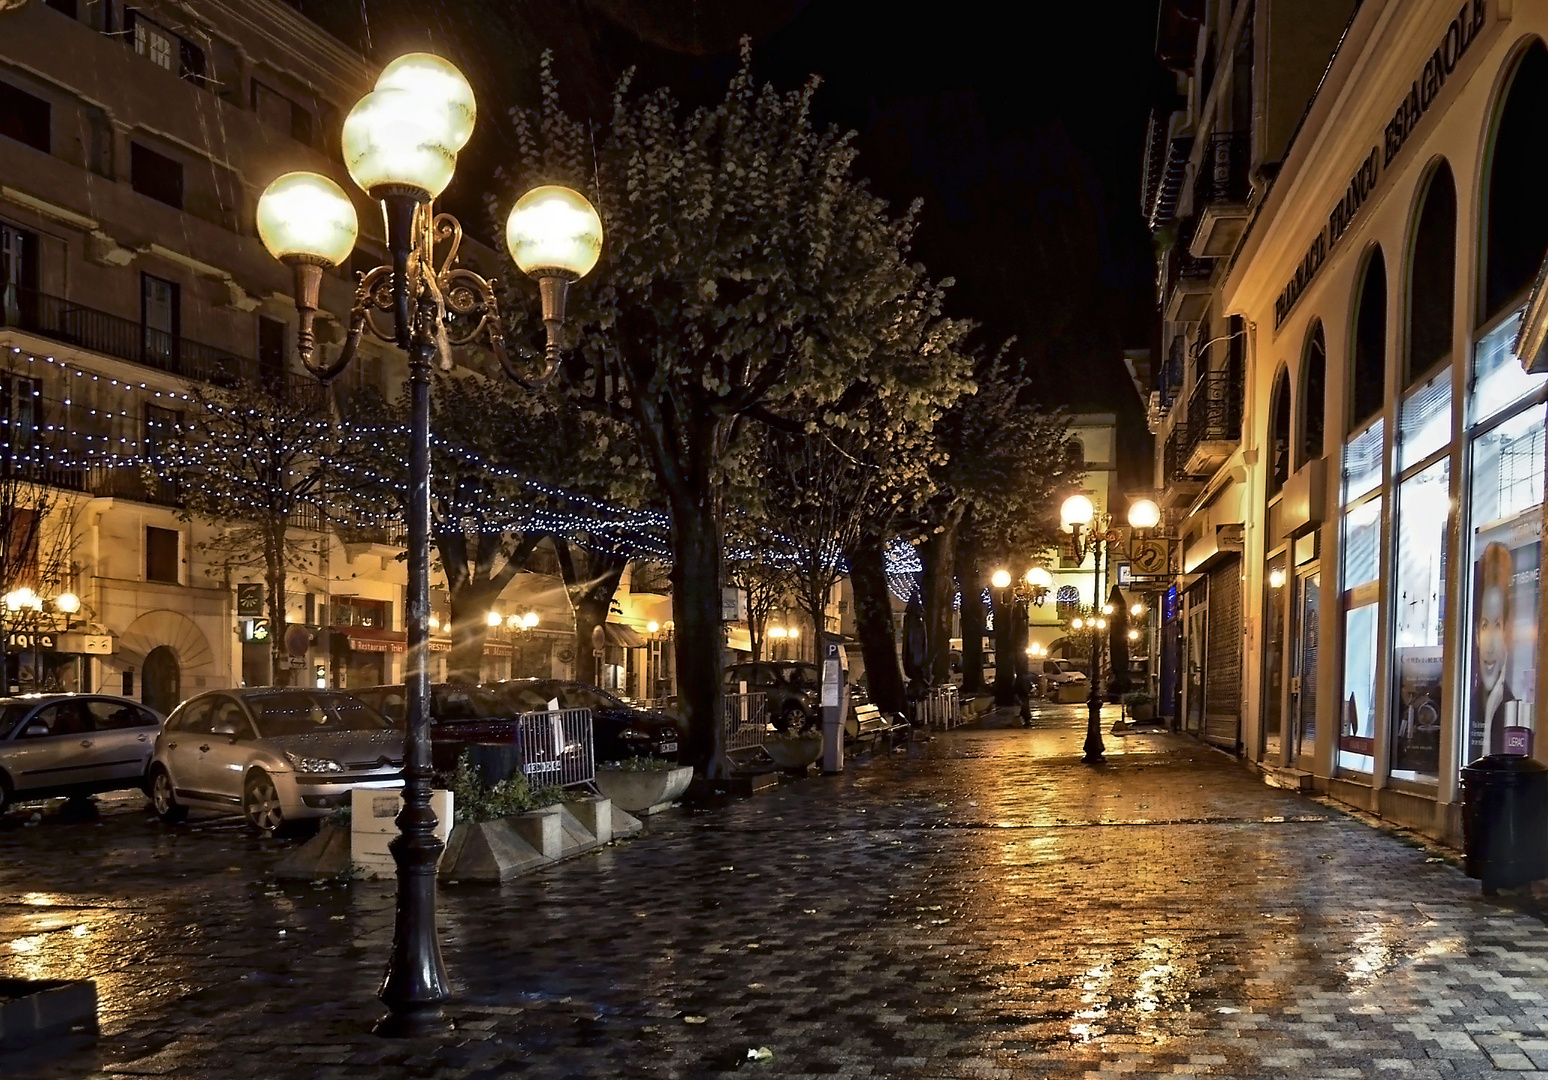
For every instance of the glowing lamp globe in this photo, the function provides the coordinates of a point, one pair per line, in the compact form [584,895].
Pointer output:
[432,79]
[554,232]
[1077,623]
[1039,578]
[1144,514]
[1000,579]
[1077,510]
[305,217]
[495,619]
[652,626]
[68,603]
[398,141]
[529,620]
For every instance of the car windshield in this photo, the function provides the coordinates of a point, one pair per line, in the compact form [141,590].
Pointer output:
[586,697]
[11,715]
[800,676]
[300,713]
[468,703]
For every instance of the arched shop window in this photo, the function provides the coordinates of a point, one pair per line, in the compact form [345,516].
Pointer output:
[1313,401]
[1516,214]
[1369,370]
[1279,434]
[1504,423]
[1432,275]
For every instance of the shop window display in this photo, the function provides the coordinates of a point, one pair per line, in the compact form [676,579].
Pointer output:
[1506,542]
[1420,565]
[1362,607]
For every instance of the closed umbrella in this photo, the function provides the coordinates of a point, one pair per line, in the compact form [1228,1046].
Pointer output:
[914,640]
[1118,643]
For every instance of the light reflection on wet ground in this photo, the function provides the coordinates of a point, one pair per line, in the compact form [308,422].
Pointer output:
[981,905]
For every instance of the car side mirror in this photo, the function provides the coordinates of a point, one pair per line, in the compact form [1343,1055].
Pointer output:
[224,727]
[35,731]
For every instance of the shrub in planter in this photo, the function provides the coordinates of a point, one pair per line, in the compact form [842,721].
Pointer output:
[1140,705]
[642,784]
[475,800]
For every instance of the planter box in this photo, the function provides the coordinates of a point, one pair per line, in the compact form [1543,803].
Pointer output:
[51,1010]
[795,753]
[490,852]
[645,792]
[1142,714]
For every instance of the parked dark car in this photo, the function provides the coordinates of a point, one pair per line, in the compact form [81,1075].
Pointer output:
[460,714]
[72,744]
[791,689]
[620,730]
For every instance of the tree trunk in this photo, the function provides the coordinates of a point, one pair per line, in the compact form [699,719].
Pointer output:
[470,604]
[938,553]
[874,623]
[700,642]
[590,582]
[274,578]
[1005,615]
[970,576]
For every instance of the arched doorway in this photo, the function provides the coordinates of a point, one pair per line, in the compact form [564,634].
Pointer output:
[161,680]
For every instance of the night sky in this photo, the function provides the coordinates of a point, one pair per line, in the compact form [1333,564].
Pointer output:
[1020,126]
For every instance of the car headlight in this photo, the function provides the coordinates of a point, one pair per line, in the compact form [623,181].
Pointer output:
[313,764]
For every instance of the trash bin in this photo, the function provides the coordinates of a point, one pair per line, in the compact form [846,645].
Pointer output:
[1505,820]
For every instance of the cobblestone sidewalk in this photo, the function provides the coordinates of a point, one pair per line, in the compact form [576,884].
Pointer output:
[980,905]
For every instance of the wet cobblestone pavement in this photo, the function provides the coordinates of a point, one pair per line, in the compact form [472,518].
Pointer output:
[982,905]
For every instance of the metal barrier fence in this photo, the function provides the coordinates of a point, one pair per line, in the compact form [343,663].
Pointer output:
[554,749]
[746,720]
[940,707]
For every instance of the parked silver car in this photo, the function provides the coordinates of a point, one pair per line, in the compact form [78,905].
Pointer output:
[72,744]
[272,754]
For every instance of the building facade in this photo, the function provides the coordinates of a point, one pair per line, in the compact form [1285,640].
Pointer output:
[134,143]
[1371,513]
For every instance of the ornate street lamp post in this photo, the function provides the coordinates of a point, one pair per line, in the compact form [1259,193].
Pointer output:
[400,146]
[1100,537]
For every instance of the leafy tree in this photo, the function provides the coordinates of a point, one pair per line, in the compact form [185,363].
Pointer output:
[255,461]
[745,269]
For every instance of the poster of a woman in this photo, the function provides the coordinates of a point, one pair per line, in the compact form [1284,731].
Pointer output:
[1504,637]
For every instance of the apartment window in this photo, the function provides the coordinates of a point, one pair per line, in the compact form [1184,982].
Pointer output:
[160,318]
[271,355]
[22,403]
[166,49]
[18,277]
[280,112]
[355,611]
[25,118]
[160,425]
[161,557]
[156,175]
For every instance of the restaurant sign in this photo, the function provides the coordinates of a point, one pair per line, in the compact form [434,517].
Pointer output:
[1422,92]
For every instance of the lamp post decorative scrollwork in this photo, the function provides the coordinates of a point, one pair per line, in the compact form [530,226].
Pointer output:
[400,146]
[1095,534]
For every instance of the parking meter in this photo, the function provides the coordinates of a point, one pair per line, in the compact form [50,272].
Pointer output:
[835,706]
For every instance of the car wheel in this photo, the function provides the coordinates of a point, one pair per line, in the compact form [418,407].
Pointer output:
[162,799]
[792,718]
[261,803]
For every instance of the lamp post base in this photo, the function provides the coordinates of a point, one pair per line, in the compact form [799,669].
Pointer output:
[417,1024]
[1095,751]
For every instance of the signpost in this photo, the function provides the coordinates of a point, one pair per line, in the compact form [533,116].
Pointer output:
[835,702]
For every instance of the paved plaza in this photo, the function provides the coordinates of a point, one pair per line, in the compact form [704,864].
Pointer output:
[978,905]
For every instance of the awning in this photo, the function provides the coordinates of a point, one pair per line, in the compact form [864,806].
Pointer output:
[738,640]
[623,637]
[371,638]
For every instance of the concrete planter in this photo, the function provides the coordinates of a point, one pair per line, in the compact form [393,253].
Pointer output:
[795,752]
[483,851]
[1142,714]
[645,792]
[56,1011]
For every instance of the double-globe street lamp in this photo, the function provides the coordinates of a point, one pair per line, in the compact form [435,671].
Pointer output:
[400,146]
[1095,534]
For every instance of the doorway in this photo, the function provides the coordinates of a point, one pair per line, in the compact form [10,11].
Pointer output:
[161,680]
[1303,678]
[1195,646]
[1275,612]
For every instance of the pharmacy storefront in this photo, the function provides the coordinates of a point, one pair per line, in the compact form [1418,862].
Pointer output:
[1388,283]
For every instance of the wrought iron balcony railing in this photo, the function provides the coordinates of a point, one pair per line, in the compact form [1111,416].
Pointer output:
[76,324]
[1223,175]
[1214,410]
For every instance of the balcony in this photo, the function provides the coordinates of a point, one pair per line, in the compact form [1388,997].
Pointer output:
[1222,195]
[1185,285]
[1166,162]
[1178,488]
[1214,422]
[75,324]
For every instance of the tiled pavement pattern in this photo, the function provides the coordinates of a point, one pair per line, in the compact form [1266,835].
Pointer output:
[980,906]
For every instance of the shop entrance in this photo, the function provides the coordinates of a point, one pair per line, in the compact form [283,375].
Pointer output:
[1195,647]
[161,680]
[1303,668]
